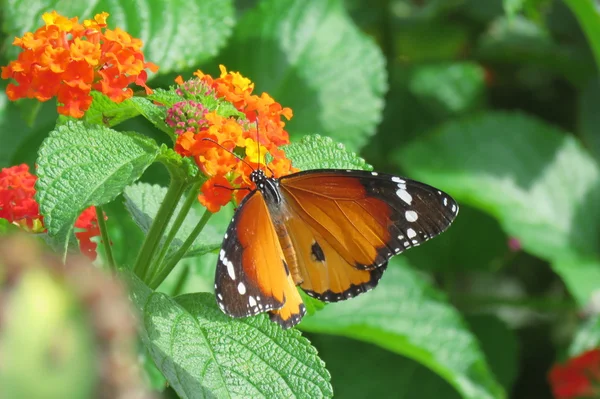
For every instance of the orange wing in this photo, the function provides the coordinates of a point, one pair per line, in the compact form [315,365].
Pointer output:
[324,273]
[366,217]
[252,276]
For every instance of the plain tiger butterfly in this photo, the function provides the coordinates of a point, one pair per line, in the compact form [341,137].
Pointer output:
[329,231]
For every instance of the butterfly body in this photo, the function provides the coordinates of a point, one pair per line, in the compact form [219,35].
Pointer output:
[329,231]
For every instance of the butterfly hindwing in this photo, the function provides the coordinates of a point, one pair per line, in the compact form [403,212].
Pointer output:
[325,274]
[252,276]
[367,217]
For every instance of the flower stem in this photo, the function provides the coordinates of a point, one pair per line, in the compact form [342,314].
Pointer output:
[157,229]
[183,212]
[105,238]
[173,259]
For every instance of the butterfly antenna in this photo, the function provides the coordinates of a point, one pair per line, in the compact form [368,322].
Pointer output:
[231,152]
[258,143]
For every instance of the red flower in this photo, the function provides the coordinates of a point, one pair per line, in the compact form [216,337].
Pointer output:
[579,377]
[18,206]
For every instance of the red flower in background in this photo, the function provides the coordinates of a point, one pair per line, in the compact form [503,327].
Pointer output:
[578,378]
[18,206]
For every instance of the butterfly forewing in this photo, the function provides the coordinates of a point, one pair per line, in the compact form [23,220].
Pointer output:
[252,276]
[367,217]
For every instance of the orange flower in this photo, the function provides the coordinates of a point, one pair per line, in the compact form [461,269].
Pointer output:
[213,139]
[18,206]
[579,377]
[66,59]
[216,192]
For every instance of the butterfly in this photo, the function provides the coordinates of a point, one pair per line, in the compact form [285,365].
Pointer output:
[329,231]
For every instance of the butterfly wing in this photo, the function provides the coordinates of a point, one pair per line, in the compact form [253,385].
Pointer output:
[324,273]
[252,276]
[367,217]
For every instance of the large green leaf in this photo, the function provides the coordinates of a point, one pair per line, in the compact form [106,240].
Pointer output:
[359,370]
[312,58]
[142,200]
[81,165]
[404,314]
[176,34]
[204,353]
[535,179]
[450,88]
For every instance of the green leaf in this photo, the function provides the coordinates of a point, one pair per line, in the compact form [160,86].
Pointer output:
[316,152]
[174,40]
[7,227]
[46,338]
[588,15]
[404,314]
[379,374]
[536,180]
[586,338]
[204,353]
[451,253]
[142,200]
[156,114]
[589,118]
[333,76]
[500,345]
[449,89]
[82,165]
[105,111]
[17,138]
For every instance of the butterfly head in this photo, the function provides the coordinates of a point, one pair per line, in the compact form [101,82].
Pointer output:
[268,186]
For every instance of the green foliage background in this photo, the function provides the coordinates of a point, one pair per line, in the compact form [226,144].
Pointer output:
[495,102]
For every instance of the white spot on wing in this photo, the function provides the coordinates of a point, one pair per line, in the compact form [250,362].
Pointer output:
[411,233]
[397,180]
[241,288]
[404,196]
[411,216]
[453,208]
[251,301]
[374,173]
[445,201]
[230,269]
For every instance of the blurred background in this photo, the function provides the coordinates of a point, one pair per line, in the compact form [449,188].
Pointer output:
[495,102]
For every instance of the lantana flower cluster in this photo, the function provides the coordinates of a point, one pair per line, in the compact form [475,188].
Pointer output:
[67,59]
[19,207]
[212,139]
[578,378]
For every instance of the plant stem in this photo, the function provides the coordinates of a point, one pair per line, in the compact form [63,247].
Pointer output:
[181,281]
[105,238]
[588,16]
[183,212]
[159,225]
[173,259]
